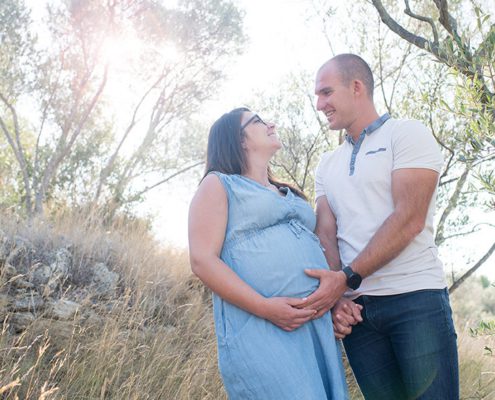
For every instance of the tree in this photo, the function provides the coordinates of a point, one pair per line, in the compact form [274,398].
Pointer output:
[57,83]
[469,56]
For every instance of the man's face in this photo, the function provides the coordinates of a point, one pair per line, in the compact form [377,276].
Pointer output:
[334,99]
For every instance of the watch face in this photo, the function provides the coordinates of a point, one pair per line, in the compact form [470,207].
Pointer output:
[354,281]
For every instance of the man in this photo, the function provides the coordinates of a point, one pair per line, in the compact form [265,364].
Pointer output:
[375,199]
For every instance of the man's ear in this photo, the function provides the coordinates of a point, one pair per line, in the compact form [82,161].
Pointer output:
[358,87]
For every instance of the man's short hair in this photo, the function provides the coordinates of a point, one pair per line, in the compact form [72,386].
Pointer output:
[353,67]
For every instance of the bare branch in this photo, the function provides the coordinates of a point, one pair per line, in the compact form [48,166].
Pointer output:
[445,18]
[473,230]
[462,64]
[16,146]
[64,148]
[423,19]
[471,270]
[106,170]
[418,41]
[452,204]
[162,181]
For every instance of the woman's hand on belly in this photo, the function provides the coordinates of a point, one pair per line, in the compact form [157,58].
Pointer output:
[282,312]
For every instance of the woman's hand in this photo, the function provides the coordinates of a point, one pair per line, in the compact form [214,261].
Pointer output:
[282,312]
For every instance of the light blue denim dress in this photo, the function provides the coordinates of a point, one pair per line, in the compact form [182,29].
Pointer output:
[269,242]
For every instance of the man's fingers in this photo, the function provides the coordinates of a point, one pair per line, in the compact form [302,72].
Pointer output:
[338,335]
[356,313]
[296,302]
[314,273]
[341,329]
[349,319]
[303,312]
[321,312]
[353,310]
[312,300]
[342,319]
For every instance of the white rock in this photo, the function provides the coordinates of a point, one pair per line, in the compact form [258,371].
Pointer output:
[104,281]
[62,309]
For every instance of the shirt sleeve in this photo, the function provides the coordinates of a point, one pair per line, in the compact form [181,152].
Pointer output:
[414,146]
[319,177]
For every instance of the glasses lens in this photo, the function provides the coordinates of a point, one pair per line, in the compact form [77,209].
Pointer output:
[249,121]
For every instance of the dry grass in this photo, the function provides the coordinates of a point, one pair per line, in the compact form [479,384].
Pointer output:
[157,341]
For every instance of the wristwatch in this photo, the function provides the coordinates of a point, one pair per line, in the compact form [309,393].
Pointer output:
[353,278]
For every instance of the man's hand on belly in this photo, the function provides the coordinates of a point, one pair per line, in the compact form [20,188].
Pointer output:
[333,285]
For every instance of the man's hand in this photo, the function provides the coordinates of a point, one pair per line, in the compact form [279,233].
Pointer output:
[332,287]
[287,313]
[345,314]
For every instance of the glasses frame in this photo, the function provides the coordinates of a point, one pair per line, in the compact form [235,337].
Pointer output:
[243,126]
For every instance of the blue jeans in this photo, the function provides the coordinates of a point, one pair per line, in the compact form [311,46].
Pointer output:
[406,347]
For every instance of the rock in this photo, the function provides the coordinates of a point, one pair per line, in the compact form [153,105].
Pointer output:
[92,319]
[9,271]
[62,309]
[21,321]
[30,301]
[62,263]
[5,305]
[104,281]
[5,300]
[22,283]
[20,252]
[59,331]
[59,269]
[39,274]
[4,252]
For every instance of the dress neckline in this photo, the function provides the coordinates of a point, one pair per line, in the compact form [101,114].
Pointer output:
[283,191]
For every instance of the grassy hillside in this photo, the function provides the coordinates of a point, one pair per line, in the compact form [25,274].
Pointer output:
[151,336]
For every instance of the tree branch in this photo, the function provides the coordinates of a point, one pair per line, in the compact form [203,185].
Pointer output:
[161,182]
[418,41]
[16,146]
[64,148]
[470,271]
[423,19]
[106,170]
[452,204]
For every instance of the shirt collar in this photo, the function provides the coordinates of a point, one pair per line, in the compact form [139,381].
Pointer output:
[371,127]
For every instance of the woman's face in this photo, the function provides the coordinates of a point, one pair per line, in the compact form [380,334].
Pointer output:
[259,136]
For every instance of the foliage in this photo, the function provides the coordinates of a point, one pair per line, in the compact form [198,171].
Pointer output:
[107,89]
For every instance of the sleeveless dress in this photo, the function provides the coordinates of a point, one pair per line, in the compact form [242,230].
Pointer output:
[269,241]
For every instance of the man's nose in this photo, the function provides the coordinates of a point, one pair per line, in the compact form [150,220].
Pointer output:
[320,104]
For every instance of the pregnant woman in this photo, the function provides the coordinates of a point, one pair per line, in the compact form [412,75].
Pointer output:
[250,239]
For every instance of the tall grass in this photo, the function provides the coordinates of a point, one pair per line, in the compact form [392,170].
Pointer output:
[155,340]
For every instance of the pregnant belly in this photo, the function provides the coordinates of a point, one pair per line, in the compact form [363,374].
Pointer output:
[273,262]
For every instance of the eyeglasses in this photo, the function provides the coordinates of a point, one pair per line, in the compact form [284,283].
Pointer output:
[255,117]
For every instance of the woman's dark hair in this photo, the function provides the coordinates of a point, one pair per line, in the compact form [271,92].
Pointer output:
[225,153]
